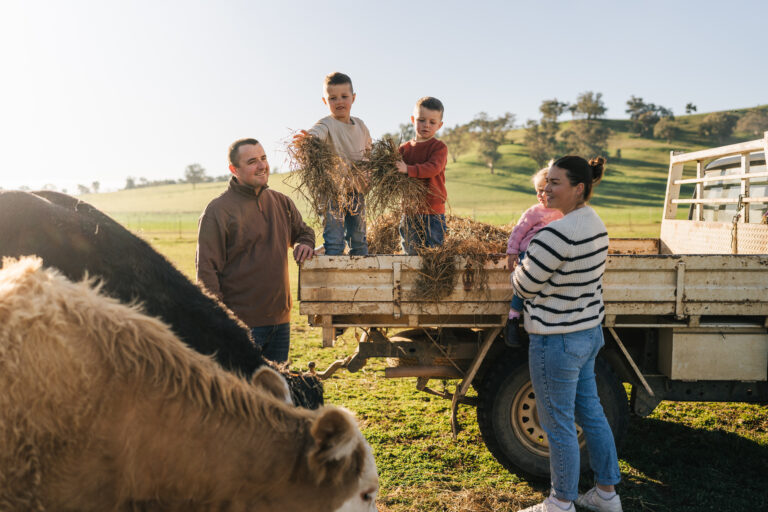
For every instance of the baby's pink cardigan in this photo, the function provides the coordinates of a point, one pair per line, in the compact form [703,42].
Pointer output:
[534,218]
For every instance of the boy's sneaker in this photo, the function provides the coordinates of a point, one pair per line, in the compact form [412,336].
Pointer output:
[548,505]
[591,500]
[511,333]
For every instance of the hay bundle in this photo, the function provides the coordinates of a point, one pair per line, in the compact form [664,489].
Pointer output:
[475,241]
[319,174]
[389,189]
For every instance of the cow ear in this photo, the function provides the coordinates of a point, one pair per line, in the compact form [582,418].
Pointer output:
[270,381]
[335,434]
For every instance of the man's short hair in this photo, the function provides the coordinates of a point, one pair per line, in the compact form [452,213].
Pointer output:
[430,103]
[234,149]
[337,78]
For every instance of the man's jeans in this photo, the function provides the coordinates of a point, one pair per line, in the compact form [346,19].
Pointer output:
[563,376]
[423,230]
[348,226]
[274,340]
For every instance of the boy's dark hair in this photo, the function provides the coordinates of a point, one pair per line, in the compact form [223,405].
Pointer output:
[578,170]
[337,78]
[234,149]
[431,103]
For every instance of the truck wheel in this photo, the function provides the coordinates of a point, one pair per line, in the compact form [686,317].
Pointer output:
[506,414]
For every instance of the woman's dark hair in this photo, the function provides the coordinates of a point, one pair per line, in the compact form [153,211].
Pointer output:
[579,170]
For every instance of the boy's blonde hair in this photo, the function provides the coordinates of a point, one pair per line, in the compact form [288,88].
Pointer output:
[541,174]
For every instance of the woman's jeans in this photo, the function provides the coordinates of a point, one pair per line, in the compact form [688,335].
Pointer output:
[274,340]
[348,226]
[563,376]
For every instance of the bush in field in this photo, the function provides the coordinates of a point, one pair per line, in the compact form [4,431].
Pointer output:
[666,128]
[755,121]
[718,125]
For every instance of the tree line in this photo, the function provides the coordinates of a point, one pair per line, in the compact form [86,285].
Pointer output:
[587,133]
[193,174]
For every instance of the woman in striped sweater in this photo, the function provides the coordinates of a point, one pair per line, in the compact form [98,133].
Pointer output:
[561,280]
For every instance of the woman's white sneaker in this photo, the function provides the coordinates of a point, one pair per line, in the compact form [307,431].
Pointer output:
[591,500]
[548,505]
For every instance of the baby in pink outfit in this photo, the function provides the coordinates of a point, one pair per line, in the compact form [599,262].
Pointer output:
[534,218]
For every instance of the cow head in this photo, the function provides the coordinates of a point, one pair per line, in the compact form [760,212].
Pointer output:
[341,456]
[272,383]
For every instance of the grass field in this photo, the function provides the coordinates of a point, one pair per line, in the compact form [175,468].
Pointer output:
[684,457]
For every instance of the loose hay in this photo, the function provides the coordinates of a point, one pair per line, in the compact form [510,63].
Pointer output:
[475,242]
[390,190]
[383,235]
[320,175]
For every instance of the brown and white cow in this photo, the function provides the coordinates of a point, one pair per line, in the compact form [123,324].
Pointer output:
[103,408]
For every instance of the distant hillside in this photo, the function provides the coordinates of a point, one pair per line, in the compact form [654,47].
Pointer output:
[629,198]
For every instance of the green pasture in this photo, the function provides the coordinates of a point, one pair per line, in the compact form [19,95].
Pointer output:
[684,457]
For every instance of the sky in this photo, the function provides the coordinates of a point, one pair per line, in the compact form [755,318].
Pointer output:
[103,90]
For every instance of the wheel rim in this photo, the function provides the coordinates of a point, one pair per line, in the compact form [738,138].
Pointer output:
[526,426]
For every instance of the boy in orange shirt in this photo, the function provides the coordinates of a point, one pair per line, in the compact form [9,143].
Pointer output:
[425,158]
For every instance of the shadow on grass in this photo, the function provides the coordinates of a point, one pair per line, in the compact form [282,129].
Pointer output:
[679,468]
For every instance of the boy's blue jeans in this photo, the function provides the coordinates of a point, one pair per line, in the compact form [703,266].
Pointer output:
[425,230]
[563,376]
[346,227]
[274,340]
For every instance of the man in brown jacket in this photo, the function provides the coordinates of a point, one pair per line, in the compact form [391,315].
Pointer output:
[242,249]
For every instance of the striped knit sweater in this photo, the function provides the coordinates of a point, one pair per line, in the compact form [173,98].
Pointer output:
[562,274]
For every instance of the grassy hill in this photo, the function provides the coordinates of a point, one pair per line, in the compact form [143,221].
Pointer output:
[629,199]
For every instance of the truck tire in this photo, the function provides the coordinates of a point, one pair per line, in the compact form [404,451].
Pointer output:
[506,414]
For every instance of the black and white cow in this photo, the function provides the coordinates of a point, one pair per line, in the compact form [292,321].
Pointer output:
[76,238]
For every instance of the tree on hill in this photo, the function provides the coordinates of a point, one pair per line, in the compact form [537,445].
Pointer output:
[755,122]
[457,139]
[644,116]
[551,110]
[490,134]
[95,187]
[130,182]
[541,147]
[590,105]
[82,189]
[690,108]
[194,174]
[586,138]
[666,128]
[719,125]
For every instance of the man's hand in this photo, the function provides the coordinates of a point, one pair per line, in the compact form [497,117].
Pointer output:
[401,167]
[511,262]
[302,252]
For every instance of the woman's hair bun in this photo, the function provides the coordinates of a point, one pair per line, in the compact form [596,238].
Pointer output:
[598,168]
